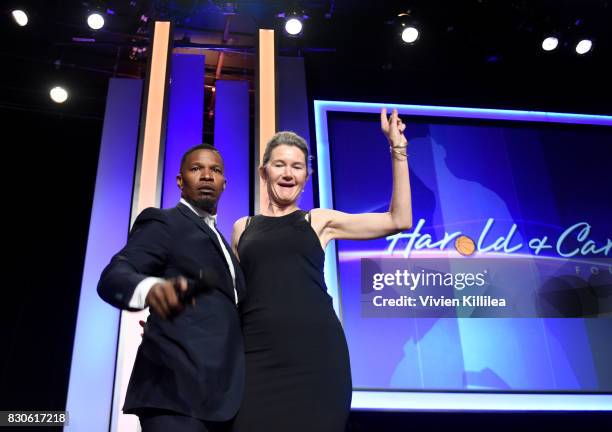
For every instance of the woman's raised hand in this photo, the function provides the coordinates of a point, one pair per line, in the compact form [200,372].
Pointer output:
[393,128]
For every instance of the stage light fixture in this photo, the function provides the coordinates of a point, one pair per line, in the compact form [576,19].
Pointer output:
[550,43]
[95,21]
[293,25]
[293,21]
[408,27]
[20,17]
[410,34]
[58,94]
[584,46]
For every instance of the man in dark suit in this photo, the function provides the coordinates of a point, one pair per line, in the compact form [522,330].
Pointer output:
[189,370]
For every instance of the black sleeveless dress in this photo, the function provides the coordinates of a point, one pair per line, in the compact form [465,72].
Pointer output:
[297,364]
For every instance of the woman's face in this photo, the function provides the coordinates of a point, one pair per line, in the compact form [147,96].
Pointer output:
[285,174]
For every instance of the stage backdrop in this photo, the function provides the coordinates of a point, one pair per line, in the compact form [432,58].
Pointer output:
[525,187]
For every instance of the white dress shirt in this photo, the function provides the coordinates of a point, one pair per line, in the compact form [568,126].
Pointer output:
[144,286]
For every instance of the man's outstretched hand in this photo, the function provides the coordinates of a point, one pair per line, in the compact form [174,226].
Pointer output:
[163,297]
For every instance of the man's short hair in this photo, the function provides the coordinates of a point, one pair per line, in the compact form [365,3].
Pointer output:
[203,146]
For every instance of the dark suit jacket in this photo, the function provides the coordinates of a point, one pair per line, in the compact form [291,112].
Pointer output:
[194,363]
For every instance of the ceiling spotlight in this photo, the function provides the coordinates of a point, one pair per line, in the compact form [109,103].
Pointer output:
[584,46]
[20,17]
[293,26]
[410,34]
[95,21]
[550,43]
[58,94]
[408,26]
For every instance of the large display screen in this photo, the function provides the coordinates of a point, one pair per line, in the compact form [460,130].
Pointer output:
[524,197]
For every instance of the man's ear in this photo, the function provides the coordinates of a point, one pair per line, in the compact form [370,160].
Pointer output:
[179,181]
[224,184]
[262,173]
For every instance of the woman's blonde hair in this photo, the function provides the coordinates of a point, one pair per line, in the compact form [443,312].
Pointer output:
[287,138]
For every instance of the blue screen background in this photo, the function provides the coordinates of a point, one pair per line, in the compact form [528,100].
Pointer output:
[541,177]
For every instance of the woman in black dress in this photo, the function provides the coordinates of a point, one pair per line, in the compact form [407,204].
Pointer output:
[297,363]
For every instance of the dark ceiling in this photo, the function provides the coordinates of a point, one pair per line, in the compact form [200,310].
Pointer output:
[347,42]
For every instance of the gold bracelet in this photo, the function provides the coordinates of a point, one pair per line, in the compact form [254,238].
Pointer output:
[399,152]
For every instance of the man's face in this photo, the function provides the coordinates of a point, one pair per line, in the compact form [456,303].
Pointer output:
[201,180]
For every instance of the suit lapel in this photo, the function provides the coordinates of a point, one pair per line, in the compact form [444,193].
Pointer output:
[200,224]
[240,283]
